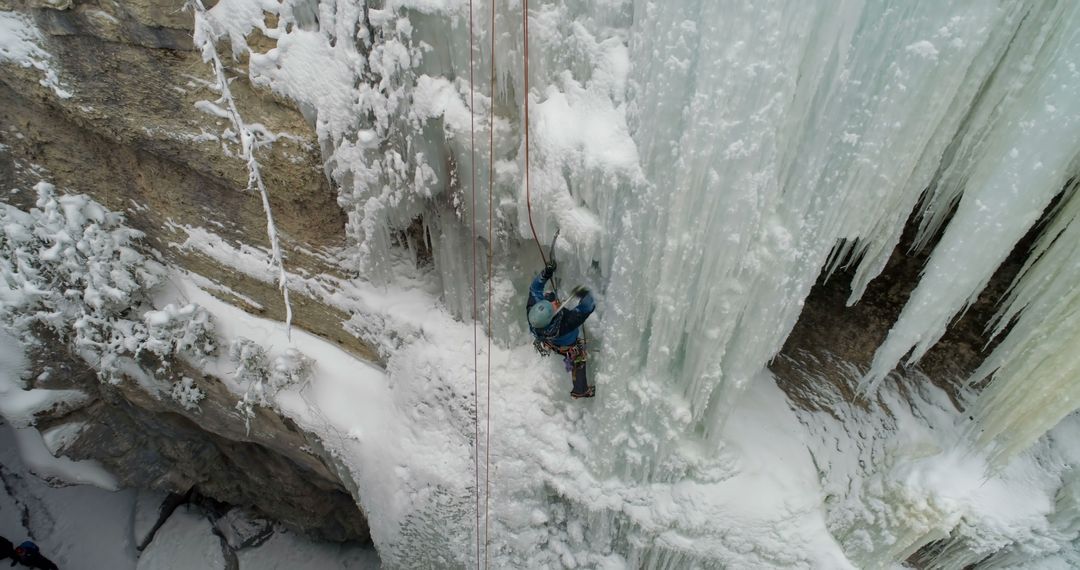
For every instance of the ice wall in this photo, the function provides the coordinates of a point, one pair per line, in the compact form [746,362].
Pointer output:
[1026,146]
[706,162]
[769,144]
[1035,368]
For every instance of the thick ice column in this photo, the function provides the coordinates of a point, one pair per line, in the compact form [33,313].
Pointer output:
[1036,369]
[768,134]
[1029,156]
[1014,67]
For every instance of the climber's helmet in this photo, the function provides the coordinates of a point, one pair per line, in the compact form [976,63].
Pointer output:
[540,314]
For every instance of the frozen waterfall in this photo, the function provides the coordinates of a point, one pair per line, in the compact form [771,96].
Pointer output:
[707,162]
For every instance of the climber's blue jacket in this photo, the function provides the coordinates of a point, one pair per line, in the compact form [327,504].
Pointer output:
[566,325]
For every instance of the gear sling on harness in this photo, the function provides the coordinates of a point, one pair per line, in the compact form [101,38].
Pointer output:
[574,356]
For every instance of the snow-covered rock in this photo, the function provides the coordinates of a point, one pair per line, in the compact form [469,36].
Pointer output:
[242,528]
[185,542]
[148,514]
[286,551]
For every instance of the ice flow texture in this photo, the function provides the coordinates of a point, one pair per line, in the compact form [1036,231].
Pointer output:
[744,150]
[706,161]
[710,159]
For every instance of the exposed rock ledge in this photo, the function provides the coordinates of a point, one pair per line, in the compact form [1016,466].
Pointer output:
[130,135]
[155,443]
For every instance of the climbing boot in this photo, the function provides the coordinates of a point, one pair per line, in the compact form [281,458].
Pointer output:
[589,393]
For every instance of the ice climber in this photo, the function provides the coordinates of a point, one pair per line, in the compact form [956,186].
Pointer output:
[28,554]
[558,329]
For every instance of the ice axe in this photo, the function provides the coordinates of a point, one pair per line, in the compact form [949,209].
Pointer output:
[551,256]
[554,285]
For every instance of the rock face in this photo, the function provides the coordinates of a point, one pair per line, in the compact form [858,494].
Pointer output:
[130,135]
[155,443]
[127,130]
[143,23]
[830,335]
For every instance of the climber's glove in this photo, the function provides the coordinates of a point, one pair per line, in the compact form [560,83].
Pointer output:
[549,269]
[580,291]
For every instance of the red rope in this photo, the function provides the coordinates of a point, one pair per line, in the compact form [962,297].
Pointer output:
[528,197]
[475,310]
[490,254]
[491,245]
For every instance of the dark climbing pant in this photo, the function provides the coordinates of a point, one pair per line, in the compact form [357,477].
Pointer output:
[575,358]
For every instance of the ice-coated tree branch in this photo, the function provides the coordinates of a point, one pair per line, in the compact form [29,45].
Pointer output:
[204,39]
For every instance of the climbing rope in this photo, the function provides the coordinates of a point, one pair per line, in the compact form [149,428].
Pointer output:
[490,256]
[476,374]
[490,276]
[528,197]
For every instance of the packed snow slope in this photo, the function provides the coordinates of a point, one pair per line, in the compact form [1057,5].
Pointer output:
[706,162]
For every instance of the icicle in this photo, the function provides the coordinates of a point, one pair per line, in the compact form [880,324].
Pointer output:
[1036,369]
[754,176]
[1015,68]
[1029,155]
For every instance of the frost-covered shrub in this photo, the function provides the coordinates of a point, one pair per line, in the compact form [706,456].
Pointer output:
[252,370]
[72,266]
[174,330]
[187,394]
[289,368]
[250,358]
[69,260]
[261,379]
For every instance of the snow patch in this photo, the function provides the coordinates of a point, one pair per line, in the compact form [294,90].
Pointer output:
[923,49]
[20,43]
[186,540]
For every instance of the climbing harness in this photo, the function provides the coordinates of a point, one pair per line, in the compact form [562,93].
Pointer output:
[576,353]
